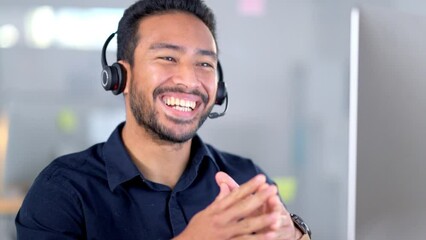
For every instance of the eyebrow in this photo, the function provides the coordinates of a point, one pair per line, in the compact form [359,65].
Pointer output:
[178,48]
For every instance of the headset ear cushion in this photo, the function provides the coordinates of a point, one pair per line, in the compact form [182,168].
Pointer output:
[221,93]
[106,78]
[120,78]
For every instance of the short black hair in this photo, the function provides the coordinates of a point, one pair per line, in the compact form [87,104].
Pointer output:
[127,37]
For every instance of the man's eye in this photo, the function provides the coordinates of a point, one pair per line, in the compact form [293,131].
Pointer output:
[204,64]
[170,59]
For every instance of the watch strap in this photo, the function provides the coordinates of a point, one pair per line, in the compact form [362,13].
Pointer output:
[301,225]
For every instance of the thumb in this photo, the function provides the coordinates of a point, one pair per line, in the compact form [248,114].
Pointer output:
[222,177]
[224,191]
[225,183]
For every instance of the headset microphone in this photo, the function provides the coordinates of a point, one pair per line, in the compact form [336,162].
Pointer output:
[214,115]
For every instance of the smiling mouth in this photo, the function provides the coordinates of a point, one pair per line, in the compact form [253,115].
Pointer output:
[180,104]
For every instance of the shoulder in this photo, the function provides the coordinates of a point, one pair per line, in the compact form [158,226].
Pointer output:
[53,203]
[88,162]
[66,173]
[57,189]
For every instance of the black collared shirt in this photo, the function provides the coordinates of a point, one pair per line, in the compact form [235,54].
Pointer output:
[100,194]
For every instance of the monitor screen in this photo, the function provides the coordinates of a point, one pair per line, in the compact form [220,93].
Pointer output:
[387,152]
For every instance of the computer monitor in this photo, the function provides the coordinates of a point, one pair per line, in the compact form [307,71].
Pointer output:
[387,150]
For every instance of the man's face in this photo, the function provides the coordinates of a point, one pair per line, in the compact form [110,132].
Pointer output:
[173,79]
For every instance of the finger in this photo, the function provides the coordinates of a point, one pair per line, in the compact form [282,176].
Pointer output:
[245,190]
[283,231]
[264,208]
[257,236]
[252,225]
[222,177]
[226,199]
[274,204]
[224,191]
[247,206]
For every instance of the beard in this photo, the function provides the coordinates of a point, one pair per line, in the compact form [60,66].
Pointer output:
[147,117]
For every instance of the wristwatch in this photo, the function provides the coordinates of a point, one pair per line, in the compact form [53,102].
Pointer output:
[301,225]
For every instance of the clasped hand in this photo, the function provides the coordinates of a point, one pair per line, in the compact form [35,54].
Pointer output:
[250,211]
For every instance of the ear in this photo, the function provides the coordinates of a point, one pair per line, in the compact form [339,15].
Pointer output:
[128,69]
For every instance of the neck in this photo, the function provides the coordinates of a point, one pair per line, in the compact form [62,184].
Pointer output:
[159,161]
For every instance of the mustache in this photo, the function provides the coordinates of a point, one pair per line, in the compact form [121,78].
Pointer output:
[196,92]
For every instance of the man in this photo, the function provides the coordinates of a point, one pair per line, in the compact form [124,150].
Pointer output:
[154,178]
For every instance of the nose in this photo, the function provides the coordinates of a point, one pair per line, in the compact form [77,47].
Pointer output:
[186,75]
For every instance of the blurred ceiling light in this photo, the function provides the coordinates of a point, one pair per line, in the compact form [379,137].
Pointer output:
[9,36]
[41,27]
[86,28]
[75,28]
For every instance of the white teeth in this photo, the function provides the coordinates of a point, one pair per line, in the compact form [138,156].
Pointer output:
[180,104]
[183,109]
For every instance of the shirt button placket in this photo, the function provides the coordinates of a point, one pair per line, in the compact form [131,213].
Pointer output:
[177,218]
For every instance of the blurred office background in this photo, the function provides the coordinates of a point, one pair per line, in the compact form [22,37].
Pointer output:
[286,65]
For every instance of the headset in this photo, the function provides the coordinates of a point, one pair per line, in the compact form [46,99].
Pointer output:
[113,78]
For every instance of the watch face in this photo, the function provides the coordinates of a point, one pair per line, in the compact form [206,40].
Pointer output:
[300,224]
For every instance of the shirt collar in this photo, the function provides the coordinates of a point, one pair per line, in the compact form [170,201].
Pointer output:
[200,152]
[120,168]
[118,164]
